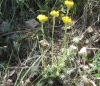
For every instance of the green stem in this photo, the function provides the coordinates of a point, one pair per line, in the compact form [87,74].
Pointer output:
[53,40]
[43,53]
[65,39]
[67,11]
[6,70]
[43,59]
[42,29]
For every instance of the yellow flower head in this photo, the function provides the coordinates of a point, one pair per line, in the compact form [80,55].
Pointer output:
[42,18]
[69,4]
[66,20]
[54,13]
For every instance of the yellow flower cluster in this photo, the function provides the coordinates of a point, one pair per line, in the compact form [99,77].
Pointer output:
[42,18]
[69,4]
[54,13]
[66,20]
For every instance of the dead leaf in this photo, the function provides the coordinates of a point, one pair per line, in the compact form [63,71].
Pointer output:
[44,43]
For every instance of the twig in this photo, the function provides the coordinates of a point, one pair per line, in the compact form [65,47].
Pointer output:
[24,31]
[21,31]
[93,48]
[26,67]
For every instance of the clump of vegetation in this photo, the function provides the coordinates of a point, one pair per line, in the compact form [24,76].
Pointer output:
[74,63]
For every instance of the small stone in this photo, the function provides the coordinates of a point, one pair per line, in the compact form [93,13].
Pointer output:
[89,29]
[83,51]
[5,26]
[72,50]
[87,41]
[32,23]
[84,68]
